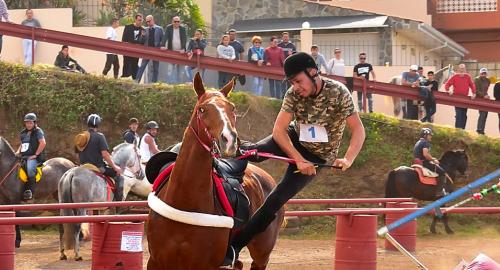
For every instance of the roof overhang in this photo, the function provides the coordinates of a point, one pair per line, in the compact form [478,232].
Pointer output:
[316,23]
[436,41]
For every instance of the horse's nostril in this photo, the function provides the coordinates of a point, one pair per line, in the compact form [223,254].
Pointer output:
[223,138]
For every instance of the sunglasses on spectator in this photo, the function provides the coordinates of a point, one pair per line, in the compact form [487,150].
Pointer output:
[337,52]
[362,58]
[177,21]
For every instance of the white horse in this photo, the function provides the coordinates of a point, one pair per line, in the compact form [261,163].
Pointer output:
[80,184]
[440,76]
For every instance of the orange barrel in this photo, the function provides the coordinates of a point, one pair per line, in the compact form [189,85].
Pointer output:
[356,242]
[117,245]
[8,239]
[406,234]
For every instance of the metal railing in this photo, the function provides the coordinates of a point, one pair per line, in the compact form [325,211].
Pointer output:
[239,67]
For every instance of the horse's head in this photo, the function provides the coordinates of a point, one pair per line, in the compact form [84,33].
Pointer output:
[6,151]
[458,158]
[126,156]
[214,119]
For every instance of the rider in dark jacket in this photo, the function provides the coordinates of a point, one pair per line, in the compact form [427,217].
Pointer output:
[32,150]
[96,152]
[422,153]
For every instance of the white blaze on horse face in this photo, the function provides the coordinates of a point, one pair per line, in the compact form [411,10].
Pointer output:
[227,132]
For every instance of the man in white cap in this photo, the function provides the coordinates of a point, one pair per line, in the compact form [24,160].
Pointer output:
[411,78]
[482,84]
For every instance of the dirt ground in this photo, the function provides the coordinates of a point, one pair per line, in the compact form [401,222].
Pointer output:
[40,251]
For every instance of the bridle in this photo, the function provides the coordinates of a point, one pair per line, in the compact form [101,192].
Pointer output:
[214,149]
[137,164]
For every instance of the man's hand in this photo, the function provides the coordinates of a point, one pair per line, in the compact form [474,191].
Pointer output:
[306,167]
[32,157]
[450,92]
[487,97]
[118,170]
[17,154]
[342,162]
[473,96]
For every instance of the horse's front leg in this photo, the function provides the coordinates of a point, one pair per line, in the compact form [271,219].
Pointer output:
[433,224]
[446,226]
[62,256]
[18,236]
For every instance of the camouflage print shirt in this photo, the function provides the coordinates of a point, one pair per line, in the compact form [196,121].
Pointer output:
[330,109]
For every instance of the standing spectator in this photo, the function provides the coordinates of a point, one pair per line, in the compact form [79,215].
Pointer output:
[239,50]
[175,39]
[461,83]
[256,55]
[287,46]
[131,135]
[411,78]
[431,86]
[420,72]
[363,70]
[196,46]
[152,37]
[132,34]
[496,94]
[288,49]
[482,84]
[27,43]
[63,61]
[273,56]
[225,51]
[112,59]
[336,66]
[4,14]
[319,58]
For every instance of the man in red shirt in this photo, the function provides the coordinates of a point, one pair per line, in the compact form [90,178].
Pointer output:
[461,83]
[274,57]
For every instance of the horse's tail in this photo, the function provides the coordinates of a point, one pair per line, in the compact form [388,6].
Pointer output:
[390,185]
[65,196]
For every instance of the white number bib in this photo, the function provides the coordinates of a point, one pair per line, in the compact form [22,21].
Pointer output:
[24,147]
[313,133]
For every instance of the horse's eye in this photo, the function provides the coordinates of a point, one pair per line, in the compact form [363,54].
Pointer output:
[201,110]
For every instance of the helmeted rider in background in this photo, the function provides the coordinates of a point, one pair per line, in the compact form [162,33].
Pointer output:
[422,152]
[97,151]
[148,146]
[32,149]
[131,135]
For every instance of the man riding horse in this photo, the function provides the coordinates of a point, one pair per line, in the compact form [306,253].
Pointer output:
[97,151]
[422,156]
[32,151]
[321,108]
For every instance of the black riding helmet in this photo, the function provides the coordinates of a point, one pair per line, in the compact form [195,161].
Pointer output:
[299,62]
[425,131]
[30,117]
[152,124]
[94,120]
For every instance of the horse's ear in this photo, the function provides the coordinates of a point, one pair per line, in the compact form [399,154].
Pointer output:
[198,85]
[228,87]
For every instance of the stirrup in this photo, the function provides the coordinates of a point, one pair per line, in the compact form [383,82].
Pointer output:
[27,195]
[229,262]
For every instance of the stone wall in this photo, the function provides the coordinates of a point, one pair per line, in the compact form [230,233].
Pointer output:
[226,12]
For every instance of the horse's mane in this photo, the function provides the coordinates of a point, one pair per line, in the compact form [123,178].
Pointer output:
[3,140]
[121,147]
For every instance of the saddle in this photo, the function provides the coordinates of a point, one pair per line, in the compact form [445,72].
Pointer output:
[110,182]
[425,175]
[228,183]
[23,176]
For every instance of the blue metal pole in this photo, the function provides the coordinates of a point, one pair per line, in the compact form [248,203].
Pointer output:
[479,182]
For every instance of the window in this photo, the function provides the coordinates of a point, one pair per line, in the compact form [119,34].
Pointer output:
[463,6]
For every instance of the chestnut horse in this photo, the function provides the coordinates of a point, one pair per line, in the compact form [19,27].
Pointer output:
[202,240]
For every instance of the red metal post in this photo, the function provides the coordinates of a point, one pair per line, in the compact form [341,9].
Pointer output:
[364,95]
[32,46]
[7,238]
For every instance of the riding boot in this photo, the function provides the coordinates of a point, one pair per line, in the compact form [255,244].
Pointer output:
[440,192]
[257,224]
[118,188]
[29,189]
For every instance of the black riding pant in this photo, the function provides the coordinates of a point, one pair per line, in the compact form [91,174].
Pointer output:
[118,182]
[436,168]
[111,59]
[291,184]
